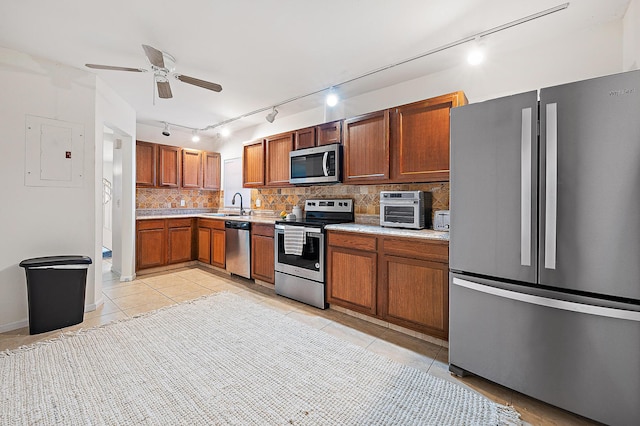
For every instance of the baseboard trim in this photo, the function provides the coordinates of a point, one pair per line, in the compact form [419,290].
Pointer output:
[93,306]
[381,323]
[14,325]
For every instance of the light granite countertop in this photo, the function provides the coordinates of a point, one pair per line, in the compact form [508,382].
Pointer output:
[263,219]
[428,234]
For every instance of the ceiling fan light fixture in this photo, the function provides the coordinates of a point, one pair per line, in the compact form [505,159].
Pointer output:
[272,115]
[195,137]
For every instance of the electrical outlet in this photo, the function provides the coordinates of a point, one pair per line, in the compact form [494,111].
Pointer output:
[258,202]
[182,203]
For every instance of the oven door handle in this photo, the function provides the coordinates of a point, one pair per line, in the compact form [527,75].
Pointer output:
[306,229]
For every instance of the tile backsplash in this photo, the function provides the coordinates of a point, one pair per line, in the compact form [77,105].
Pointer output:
[163,198]
[366,197]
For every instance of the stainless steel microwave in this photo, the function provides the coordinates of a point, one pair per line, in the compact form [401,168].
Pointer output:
[320,164]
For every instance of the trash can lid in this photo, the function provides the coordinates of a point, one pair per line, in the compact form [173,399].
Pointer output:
[55,261]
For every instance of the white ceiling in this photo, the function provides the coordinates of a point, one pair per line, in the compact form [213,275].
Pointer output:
[266,51]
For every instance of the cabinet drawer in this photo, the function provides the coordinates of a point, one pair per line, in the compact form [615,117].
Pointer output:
[211,223]
[352,241]
[417,249]
[261,229]
[179,223]
[150,224]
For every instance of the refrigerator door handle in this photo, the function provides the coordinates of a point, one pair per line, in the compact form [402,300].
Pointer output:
[525,189]
[551,303]
[551,187]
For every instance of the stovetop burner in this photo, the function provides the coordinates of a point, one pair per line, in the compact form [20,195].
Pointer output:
[319,213]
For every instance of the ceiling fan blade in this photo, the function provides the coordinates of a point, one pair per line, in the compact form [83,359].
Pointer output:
[200,83]
[164,90]
[155,56]
[112,68]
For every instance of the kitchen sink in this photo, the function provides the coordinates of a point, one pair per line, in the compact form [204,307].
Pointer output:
[228,215]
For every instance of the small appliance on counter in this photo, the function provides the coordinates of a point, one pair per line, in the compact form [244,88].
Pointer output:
[405,209]
[441,220]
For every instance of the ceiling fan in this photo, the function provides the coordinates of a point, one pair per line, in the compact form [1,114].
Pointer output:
[162,65]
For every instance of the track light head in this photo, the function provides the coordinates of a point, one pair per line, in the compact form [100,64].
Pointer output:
[166,131]
[332,98]
[272,115]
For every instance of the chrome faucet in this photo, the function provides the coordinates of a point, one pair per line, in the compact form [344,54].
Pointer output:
[233,201]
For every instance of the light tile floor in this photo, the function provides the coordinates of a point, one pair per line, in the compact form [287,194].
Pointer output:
[150,292]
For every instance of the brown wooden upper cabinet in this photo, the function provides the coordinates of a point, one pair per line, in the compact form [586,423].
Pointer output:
[253,165]
[169,166]
[146,163]
[420,139]
[210,170]
[191,168]
[366,148]
[322,134]
[277,149]
[329,133]
[305,138]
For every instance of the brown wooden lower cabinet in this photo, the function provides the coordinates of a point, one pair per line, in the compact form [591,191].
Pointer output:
[262,253]
[218,253]
[204,245]
[414,294]
[161,242]
[400,280]
[150,244]
[211,242]
[352,279]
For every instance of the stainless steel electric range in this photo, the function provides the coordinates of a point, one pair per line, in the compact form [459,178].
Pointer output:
[300,271]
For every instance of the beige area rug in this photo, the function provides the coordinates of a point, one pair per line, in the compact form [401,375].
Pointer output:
[224,360]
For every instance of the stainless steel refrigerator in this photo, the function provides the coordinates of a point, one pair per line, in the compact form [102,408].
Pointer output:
[545,245]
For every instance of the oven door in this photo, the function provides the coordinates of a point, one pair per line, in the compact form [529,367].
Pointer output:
[310,264]
[405,215]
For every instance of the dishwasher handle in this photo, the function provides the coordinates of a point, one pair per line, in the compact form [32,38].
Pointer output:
[232,224]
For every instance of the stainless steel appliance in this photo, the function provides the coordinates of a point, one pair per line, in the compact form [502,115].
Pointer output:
[315,165]
[405,209]
[302,276]
[238,247]
[544,294]
[441,220]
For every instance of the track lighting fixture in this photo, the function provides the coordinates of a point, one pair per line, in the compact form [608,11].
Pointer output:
[272,115]
[476,54]
[332,98]
[166,131]
[194,136]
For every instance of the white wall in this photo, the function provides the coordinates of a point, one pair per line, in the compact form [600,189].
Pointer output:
[631,36]
[42,221]
[113,112]
[592,52]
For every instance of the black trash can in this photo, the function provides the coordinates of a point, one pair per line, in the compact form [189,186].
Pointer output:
[56,287]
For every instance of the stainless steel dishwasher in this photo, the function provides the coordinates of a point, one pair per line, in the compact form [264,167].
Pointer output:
[238,247]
